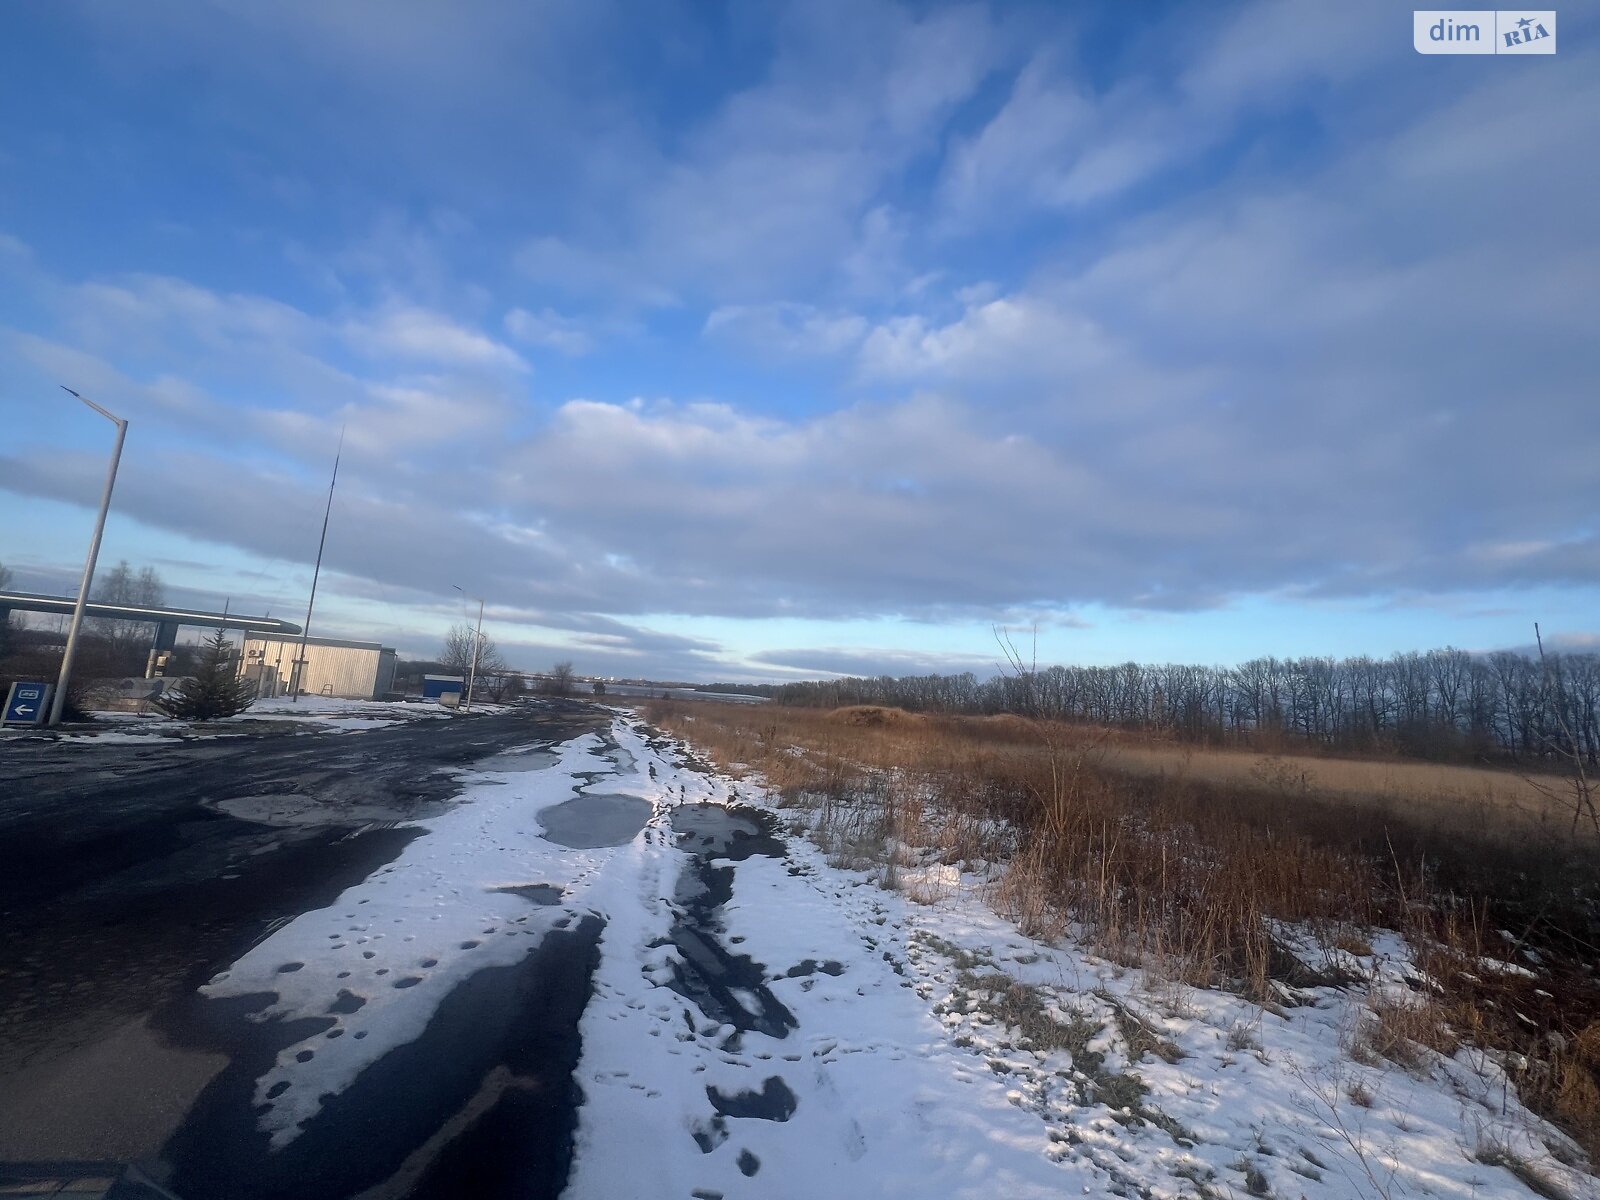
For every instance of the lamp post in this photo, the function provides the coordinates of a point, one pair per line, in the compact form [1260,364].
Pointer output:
[477,646]
[67,655]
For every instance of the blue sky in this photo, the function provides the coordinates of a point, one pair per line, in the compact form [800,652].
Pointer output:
[759,340]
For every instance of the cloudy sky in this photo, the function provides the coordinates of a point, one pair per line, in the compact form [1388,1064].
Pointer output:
[761,340]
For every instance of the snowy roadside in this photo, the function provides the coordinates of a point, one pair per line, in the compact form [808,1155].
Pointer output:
[481,888]
[951,1055]
[310,714]
[765,1023]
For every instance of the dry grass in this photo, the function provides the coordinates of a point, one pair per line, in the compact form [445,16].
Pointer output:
[1403,1033]
[1178,859]
[1488,802]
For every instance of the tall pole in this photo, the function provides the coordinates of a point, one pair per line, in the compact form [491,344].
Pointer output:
[298,672]
[58,702]
[477,648]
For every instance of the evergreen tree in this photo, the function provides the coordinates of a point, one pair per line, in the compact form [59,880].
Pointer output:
[213,690]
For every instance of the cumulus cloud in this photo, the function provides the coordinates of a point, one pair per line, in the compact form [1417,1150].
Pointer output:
[551,330]
[1154,331]
[832,661]
[419,335]
[1009,338]
[782,184]
[1067,137]
[787,330]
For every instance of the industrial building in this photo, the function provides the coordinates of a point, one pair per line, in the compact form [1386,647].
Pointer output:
[331,667]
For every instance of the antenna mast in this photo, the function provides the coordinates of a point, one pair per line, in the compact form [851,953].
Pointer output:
[300,662]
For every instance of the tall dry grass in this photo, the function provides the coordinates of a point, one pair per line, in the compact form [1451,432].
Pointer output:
[1181,860]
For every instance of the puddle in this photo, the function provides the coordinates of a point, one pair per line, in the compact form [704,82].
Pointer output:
[539,893]
[587,821]
[299,809]
[622,759]
[528,758]
[717,831]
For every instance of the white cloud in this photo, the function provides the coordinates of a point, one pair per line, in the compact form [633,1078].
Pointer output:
[1065,139]
[780,187]
[550,329]
[574,269]
[1299,374]
[429,337]
[1017,337]
[787,330]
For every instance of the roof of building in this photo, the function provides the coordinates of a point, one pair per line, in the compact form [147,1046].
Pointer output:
[34,602]
[337,643]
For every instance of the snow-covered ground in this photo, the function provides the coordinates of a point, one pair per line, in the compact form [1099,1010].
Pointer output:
[328,713]
[766,1024]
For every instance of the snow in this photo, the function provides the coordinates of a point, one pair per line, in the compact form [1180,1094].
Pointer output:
[326,713]
[885,1103]
[402,939]
[904,1071]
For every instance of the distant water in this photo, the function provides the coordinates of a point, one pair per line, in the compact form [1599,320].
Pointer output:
[630,689]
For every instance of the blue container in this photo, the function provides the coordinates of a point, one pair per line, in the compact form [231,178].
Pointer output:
[434,686]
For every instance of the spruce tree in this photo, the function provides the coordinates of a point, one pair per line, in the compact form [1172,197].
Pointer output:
[213,690]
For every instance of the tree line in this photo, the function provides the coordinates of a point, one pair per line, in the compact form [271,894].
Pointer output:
[1442,704]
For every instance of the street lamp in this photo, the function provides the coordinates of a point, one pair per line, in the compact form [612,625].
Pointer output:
[477,645]
[67,655]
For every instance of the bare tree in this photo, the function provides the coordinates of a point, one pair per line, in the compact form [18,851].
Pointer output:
[128,642]
[1566,745]
[1445,704]
[501,686]
[458,652]
[560,682]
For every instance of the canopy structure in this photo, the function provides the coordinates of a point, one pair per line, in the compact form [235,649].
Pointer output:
[166,620]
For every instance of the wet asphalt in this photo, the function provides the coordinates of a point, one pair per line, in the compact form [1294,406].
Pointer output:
[125,883]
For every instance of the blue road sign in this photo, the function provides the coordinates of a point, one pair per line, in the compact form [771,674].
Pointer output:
[25,704]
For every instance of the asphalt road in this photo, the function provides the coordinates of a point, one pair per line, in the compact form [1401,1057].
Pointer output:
[125,882]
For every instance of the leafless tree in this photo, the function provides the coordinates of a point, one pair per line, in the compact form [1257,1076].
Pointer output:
[1445,704]
[127,642]
[500,687]
[458,652]
[560,681]
[1566,745]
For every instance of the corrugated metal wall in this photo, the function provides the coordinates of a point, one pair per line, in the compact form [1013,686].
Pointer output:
[347,671]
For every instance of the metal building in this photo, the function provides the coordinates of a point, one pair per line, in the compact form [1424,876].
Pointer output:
[332,666]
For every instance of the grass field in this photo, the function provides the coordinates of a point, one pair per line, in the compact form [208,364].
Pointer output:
[1493,802]
[1183,860]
